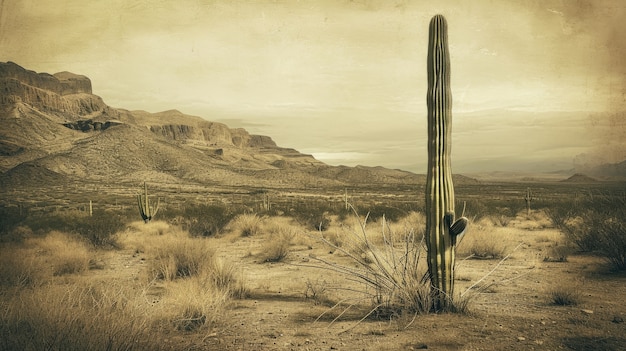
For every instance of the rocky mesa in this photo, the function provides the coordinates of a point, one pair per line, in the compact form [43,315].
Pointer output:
[55,125]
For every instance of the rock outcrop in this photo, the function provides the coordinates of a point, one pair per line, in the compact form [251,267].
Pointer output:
[53,129]
[64,92]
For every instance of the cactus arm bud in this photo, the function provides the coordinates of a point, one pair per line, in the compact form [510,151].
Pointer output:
[459,226]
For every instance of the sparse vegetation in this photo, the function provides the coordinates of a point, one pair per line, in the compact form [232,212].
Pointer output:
[481,242]
[247,224]
[276,248]
[200,219]
[596,225]
[93,316]
[171,283]
[392,274]
[564,295]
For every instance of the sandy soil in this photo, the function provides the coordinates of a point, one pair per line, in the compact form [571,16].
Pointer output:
[510,310]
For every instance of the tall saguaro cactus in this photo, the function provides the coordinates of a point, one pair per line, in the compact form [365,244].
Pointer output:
[441,229]
[146,211]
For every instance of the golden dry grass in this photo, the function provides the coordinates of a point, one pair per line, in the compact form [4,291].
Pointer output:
[37,259]
[481,241]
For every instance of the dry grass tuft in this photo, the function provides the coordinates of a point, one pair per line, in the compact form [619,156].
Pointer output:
[564,295]
[19,267]
[37,259]
[481,242]
[392,274]
[93,316]
[276,247]
[64,253]
[247,224]
[195,304]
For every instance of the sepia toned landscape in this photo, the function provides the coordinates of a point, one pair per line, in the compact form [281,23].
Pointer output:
[125,229]
[258,247]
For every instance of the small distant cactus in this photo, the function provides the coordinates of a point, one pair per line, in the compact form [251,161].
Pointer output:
[146,211]
[528,198]
[441,228]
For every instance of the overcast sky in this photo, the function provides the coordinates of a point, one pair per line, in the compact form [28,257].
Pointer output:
[536,84]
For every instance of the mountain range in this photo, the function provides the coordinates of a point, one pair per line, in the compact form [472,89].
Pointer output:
[53,129]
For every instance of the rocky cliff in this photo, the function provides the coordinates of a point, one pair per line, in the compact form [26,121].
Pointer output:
[53,125]
[63,93]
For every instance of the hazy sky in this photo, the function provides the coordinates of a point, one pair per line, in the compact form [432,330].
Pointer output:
[536,84]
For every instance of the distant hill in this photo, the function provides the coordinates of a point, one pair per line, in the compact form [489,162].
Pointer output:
[54,129]
[610,170]
[580,178]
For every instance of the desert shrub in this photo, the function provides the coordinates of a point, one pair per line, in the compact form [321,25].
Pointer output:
[247,224]
[500,210]
[87,317]
[598,226]
[63,253]
[392,273]
[559,212]
[99,228]
[202,220]
[35,261]
[10,218]
[196,304]
[19,267]
[173,255]
[276,248]
[390,213]
[481,242]
[179,257]
[578,230]
[16,234]
[140,236]
[315,215]
[564,295]
[317,291]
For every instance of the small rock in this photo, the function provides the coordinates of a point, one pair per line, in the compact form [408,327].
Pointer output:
[618,319]
[586,311]
[521,338]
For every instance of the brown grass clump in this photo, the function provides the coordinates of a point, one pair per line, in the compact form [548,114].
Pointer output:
[172,253]
[90,316]
[195,303]
[37,259]
[247,224]
[564,295]
[276,247]
[392,273]
[19,267]
[481,242]
[64,253]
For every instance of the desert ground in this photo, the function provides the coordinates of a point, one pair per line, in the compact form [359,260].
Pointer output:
[269,280]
